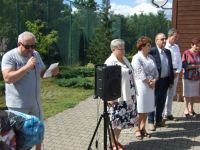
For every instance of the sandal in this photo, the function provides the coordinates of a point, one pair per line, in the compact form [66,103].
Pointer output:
[119,146]
[194,114]
[187,115]
[138,135]
[145,134]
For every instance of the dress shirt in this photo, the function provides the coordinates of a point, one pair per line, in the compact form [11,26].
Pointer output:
[176,56]
[164,64]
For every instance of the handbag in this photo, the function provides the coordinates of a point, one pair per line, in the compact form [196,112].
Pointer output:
[193,74]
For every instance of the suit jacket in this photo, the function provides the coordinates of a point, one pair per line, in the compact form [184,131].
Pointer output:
[155,53]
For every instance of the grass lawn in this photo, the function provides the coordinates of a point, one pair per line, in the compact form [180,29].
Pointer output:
[55,99]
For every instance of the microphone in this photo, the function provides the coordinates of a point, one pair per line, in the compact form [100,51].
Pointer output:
[34,55]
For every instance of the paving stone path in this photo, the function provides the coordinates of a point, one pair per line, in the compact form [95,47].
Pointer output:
[72,129]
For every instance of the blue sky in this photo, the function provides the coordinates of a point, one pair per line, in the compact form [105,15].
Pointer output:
[129,7]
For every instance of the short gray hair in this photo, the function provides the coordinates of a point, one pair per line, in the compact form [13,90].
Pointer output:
[25,36]
[171,32]
[116,43]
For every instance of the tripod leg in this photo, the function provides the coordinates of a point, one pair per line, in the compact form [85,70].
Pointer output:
[113,135]
[109,133]
[89,147]
[105,130]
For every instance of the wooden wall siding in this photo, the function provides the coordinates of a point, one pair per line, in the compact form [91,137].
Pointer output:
[186,19]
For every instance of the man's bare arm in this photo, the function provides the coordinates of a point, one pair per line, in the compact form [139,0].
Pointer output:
[12,75]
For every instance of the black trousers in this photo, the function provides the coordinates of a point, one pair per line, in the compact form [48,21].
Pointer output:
[161,88]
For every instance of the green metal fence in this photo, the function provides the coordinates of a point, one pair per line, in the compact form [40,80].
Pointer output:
[76,25]
[75,28]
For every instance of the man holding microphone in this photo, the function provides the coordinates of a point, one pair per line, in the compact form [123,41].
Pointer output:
[22,68]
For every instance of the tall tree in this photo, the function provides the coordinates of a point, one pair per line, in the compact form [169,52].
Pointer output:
[99,47]
[45,39]
[81,4]
[8,26]
[81,28]
[132,27]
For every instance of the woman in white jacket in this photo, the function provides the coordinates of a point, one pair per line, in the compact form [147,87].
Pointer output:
[122,111]
[146,74]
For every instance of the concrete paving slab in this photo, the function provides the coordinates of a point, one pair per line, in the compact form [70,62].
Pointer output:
[73,128]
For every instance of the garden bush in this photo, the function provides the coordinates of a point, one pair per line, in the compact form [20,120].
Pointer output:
[72,72]
[2,88]
[75,82]
[76,76]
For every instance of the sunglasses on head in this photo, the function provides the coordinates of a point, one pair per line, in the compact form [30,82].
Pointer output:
[28,46]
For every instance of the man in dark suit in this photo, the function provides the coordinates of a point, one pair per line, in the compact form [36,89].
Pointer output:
[163,61]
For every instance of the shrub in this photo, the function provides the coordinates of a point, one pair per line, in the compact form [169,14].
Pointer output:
[45,37]
[76,76]
[72,72]
[2,88]
[75,82]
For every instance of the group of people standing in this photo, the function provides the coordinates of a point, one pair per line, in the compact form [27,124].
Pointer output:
[149,83]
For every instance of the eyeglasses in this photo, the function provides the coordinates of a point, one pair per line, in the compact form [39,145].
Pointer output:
[163,39]
[120,48]
[28,46]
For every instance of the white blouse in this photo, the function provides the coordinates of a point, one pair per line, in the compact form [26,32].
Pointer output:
[128,89]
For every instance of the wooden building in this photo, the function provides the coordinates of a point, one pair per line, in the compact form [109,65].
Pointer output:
[186,19]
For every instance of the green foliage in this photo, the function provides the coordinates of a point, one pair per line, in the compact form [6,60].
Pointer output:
[76,76]
[44,40]
[72,72]
[76,82]
[78,30]
[80,4]
[2,88]
[8,28]
[99,46]
[81,30]
[132,27]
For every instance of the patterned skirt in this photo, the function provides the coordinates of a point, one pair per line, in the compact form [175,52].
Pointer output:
[123,115]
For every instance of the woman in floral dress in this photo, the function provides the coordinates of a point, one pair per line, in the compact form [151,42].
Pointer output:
[191,76]
[122,111]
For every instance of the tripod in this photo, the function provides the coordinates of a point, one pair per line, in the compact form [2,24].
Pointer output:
[107,126]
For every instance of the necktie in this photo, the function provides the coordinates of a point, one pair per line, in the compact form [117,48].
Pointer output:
[164,64]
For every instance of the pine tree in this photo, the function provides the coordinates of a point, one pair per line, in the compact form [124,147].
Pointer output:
[99,48]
